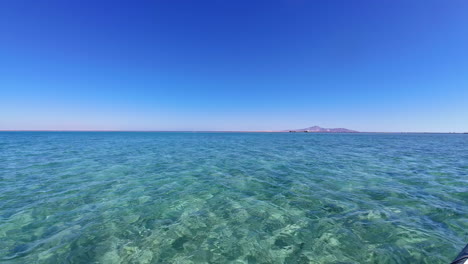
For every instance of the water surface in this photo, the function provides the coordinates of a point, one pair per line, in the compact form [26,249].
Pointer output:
[232,197]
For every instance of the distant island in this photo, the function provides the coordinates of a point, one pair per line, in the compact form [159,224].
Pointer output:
[317,129]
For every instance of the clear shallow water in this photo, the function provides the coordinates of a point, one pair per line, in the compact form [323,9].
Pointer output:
[232,198]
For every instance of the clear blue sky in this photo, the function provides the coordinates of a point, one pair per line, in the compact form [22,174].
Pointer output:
[389,65]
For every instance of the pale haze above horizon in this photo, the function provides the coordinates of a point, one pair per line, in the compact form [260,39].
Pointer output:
[380,66]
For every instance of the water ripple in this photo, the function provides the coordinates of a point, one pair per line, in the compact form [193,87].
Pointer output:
[232,198]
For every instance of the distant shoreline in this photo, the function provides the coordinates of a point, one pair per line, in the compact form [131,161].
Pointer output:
[231,131]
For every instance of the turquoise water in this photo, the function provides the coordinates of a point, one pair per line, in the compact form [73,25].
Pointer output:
[232,197]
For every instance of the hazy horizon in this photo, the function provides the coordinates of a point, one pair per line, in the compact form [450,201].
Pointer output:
[239,131]
[387,66]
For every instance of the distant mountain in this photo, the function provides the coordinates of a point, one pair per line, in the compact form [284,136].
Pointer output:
[323,130]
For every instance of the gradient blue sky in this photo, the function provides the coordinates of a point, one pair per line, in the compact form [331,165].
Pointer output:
[387,65]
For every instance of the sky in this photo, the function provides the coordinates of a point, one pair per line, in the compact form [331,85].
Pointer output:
[387,65]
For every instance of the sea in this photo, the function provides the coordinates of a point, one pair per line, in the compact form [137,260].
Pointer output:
[196,197]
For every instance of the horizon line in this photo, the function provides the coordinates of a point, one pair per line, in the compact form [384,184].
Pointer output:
[222,131]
